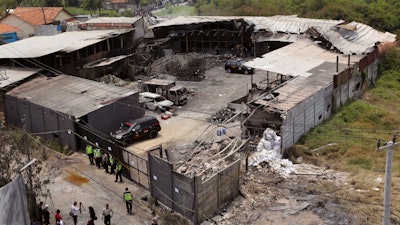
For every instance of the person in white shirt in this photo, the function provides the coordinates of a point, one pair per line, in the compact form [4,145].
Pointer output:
[107,214]
[74,212]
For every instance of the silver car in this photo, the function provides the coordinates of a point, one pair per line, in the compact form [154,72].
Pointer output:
[154,102]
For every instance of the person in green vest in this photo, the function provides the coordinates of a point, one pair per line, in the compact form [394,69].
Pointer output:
[97,157]
[112,164]
[128,201]
[119,172]
[89,152]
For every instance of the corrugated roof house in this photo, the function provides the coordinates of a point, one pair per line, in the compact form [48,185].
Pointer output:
[30,19]
[62,103]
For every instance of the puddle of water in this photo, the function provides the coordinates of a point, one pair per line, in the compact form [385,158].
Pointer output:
[76,179]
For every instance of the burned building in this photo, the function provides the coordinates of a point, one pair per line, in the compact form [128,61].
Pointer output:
[67,52]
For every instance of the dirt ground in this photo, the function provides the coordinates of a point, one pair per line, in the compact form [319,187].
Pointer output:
[266,198]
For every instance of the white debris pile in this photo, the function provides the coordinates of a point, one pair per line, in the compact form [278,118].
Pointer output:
[268,151]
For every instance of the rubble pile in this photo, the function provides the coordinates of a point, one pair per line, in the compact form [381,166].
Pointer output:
[268,152]
[206,158]
[188,67]
[112,79]
[222,115]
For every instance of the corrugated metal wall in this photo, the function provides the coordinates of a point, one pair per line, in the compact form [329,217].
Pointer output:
[39,119]
[110,117]
[193,198]
[305,116]
[319,107]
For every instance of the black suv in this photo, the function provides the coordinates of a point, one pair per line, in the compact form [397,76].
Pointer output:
[146,126]
[236,66]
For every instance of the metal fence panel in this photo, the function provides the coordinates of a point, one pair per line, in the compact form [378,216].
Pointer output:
[161,180]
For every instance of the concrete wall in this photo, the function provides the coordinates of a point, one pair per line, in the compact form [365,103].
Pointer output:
[26,29]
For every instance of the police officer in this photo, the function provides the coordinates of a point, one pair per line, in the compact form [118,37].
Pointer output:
[119,172]
[89,152]
[97,157]
[112,164]
[128,200]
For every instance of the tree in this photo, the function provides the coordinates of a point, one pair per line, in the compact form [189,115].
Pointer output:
[5,6]
[13,156]
[91,5]
[53,3]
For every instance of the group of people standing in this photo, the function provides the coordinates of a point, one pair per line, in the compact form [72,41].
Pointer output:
[106,215]
[105,160]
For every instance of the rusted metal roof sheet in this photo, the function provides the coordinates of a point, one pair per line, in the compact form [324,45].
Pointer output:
[355,38]
[11,75]
[298,59]
[70,95]
[65,42]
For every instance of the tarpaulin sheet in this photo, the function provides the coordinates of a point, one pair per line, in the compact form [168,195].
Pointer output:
[13,204]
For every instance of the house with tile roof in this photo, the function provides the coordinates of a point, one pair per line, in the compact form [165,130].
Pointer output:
[37,20]
[8,33]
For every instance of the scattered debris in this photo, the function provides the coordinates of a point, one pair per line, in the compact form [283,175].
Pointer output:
[222,115]
[268,152]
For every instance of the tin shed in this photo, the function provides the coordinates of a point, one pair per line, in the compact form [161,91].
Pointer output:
[57,105]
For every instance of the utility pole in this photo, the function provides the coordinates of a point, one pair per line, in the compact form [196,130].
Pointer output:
[389,146]
[28,152]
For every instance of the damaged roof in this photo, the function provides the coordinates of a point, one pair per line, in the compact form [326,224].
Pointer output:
[286,24]
[290,24]
[312,66]
[70,95]
[355,38]
[11,75]
[298,59]
[117,20]
[65,42]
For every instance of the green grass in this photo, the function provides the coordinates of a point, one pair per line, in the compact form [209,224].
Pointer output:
[175,11]
[355,127]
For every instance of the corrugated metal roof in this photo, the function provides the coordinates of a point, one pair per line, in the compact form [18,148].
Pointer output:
[297,59]
[356,38]
[281,37]
[289,24]
[128,20]
[105,61]
[185,20]
[69,95]
[65,42]
[11,75]
[286,24]
[312,66]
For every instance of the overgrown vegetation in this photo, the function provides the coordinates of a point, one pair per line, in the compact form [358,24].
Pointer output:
[347,141]
[175,11]
[356,127]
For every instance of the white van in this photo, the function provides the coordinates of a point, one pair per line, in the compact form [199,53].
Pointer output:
[154,102]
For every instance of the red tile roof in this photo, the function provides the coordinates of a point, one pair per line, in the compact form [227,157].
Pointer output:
[5,28]
[35,15]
